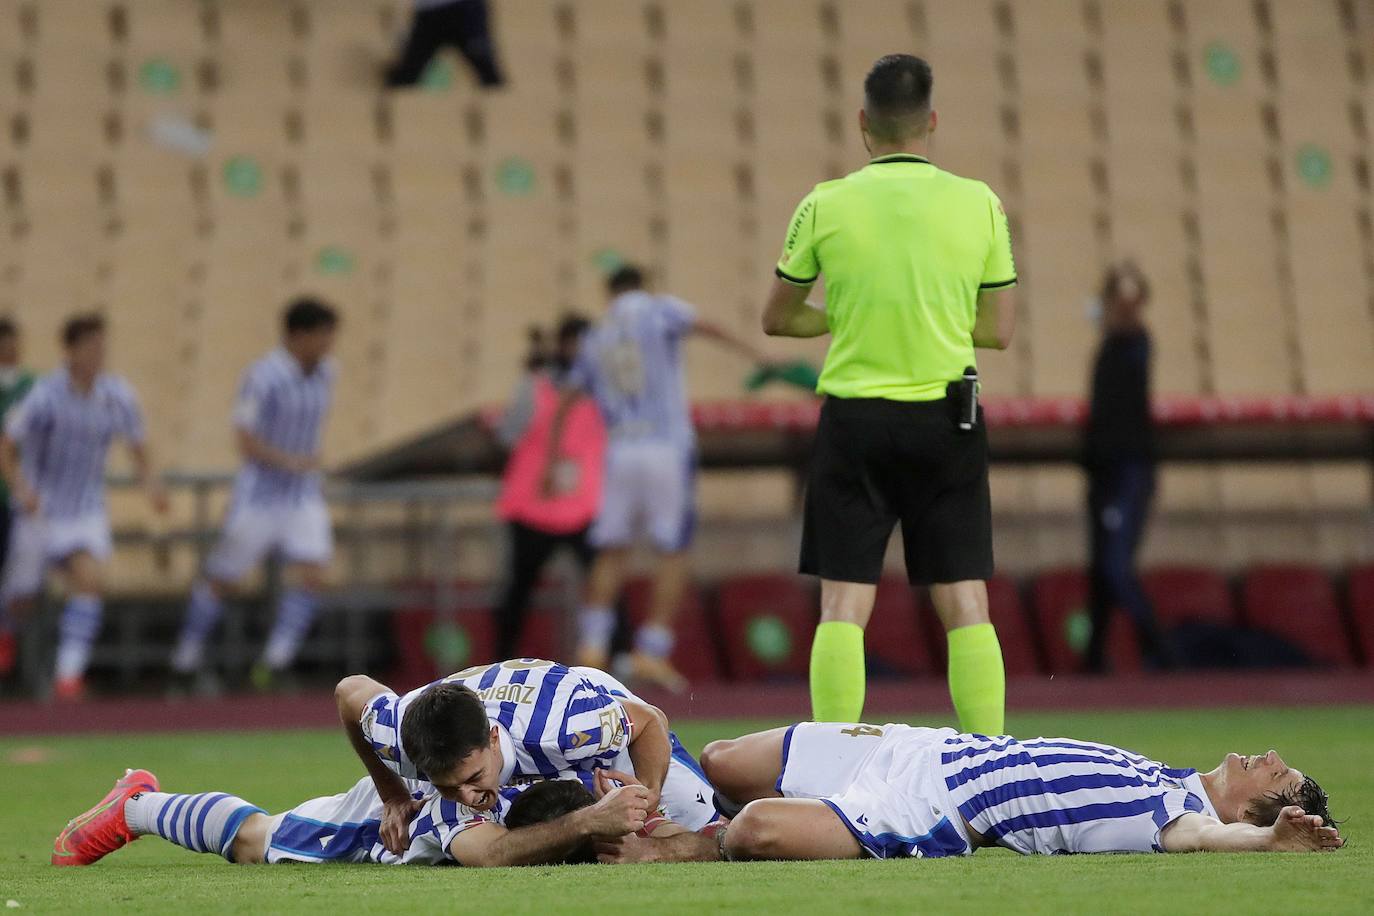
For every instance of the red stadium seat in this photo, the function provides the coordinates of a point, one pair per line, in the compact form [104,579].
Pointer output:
[1362,609]
[1059,603]
[1020,653]
[767,622]
[428,649]
[697,654]
[896,643]
[1298,604]
[1183,594]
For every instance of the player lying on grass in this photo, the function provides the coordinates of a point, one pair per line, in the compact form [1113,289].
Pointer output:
[548,822]
[510,722]
[837,791]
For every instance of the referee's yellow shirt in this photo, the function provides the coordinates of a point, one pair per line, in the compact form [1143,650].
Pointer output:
[904,247]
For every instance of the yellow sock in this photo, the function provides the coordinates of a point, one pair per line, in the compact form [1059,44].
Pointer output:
[837,672]
[977,681]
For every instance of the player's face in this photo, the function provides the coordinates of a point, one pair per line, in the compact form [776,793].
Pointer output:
[474,781]
[1258,774]
[315,345]
[87,355]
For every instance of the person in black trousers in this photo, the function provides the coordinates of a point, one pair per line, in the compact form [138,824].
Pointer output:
[461,24]
[1119,457]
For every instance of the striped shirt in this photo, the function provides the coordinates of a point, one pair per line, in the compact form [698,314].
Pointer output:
[631,364]
[64,437]
[285,408]
[550,721]
[1051,796]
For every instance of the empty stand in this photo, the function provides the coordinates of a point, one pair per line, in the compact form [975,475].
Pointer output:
[767,623]
[1298,604]
[1059,604]
[894,641]
[1361,602]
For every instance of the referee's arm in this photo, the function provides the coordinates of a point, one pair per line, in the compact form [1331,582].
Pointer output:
[996,321]
[788,314]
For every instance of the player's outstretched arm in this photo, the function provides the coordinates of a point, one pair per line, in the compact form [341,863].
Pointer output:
[788,314]
[1294,831]
[13,474]
[619,812]
[650,749]
[712,331]
[351,696]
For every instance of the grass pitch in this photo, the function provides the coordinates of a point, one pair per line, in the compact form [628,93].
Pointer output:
[43,781]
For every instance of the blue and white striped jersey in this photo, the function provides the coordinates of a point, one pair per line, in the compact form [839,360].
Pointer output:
[1050,796]
[286,408]
[631,364]
[551,721]
[64,437]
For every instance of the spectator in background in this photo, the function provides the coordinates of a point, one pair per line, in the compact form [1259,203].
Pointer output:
[541,523]
[1119,456]
[15,382]
[462,24]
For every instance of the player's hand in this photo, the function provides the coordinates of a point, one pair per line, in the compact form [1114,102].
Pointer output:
[626,849]
[620,811]
[1296,831]
[606,780]
[396,818]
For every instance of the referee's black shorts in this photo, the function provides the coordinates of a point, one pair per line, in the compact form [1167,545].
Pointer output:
[878,462]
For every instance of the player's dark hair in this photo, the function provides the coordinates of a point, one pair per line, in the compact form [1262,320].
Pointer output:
[306,314]
[79,327]
[572,326]
[1307,795]
[627,277]
[443,725]
[550,799]
[897,97]
[8,328]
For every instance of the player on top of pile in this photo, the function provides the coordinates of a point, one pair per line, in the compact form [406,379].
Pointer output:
[840,791]
[494,725]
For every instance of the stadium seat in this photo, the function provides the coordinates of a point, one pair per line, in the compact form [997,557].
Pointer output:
[425,649]
[697,654]
[1298,604]
[1020,648]
[767,622]
[1059,605]
[1361,595]
[895,641]
[1183,594]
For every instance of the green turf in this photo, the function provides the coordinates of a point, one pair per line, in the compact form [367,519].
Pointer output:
[43,781]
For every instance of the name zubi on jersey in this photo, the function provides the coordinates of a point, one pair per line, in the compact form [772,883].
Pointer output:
[507,693]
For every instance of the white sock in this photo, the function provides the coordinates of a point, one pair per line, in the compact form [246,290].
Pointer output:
[79,626]
[207,822]
[655,639]
[596,626]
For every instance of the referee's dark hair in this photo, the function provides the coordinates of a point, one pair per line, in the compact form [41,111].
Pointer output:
[627,277]
[79,327]
[443,725]
[307,314]
[897,97]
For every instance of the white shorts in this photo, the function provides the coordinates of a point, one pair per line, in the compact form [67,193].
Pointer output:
[649,490]
[344,828]
[301,533]
[36,542]
[883,782]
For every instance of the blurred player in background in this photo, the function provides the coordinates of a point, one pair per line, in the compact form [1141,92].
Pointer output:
[277,505]
[52,457]
[1119,456]
[631,363]
[15,382]
[918,270]
[539,522]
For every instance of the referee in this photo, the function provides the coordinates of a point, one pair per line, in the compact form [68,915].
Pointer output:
[918,270]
